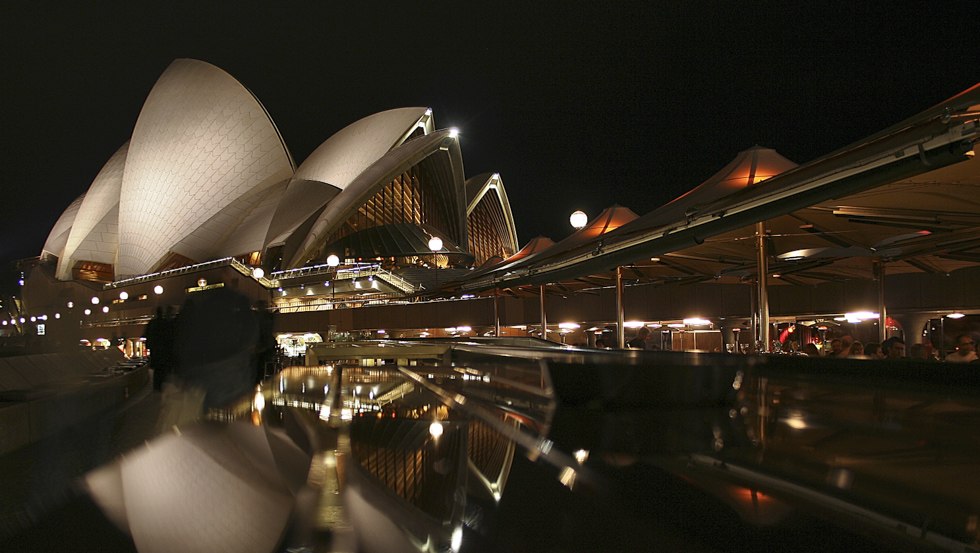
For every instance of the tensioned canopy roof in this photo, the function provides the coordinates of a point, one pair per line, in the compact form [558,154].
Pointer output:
[906,195]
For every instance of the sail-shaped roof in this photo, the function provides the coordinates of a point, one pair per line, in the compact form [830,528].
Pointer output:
[202,141]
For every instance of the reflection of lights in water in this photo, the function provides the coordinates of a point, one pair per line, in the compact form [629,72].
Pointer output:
[841,478]
[581,456]
[346,414]
[357,390]
[435,429]
[567,477]
[794,419]
[325,412]
[258,403]
[457,539]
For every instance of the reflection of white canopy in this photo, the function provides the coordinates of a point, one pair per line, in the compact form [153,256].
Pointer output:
[211,488]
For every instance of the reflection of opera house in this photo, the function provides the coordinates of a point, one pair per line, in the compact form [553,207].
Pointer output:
[205,194]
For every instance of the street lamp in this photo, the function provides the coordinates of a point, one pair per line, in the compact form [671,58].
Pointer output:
[333,261]
[435,245]
[578,219]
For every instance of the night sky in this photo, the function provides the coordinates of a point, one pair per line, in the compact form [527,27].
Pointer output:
[579,105]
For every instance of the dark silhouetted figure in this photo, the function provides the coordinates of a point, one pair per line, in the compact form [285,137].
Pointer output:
[160,340]
[217,333]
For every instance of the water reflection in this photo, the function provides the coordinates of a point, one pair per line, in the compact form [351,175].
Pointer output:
[480,448]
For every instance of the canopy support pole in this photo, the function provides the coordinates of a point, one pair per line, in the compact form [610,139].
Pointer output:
[878,270]
[496,312]
[544,318]
[762,281]
[620,310]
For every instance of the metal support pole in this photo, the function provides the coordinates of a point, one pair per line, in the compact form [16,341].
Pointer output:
[762,265]
[878,271]
[544,317]
[620,310]
[496,312]
[942,337]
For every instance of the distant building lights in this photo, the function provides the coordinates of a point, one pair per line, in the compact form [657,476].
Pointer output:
[578,219]
[20,281]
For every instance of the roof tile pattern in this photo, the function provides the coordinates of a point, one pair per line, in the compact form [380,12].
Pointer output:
[94,235]
[201,142]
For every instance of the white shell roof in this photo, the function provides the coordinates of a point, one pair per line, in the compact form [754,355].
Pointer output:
[346,154]
[478,187]
[94,235]
[201,142]
[58,237]
[339,160]
[378,175]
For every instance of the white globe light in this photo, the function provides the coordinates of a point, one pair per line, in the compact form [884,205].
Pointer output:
[95,300]
[333,260]
[258,273]
[105,309]
[71,304]
[435,429]
[435,244]
[124,295]
[578,220]
[88,311]
[158,289]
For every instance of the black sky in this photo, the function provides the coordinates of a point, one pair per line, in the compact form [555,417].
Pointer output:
[579,105]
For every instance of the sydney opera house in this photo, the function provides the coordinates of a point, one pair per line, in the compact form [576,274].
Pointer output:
[206,176]
[463,391]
